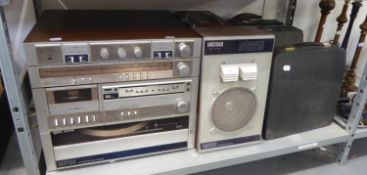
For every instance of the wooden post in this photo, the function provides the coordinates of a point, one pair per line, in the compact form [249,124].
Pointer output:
[326,7]
[342,19]
[356,6]
[350,79]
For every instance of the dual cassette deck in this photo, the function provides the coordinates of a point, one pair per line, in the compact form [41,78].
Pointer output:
[111,85]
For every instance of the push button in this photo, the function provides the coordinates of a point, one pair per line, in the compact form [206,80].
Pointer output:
[56,122]
[80,59]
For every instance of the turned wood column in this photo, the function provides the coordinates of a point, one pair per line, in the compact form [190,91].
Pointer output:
[356,6]
[342,19]
[350,78]
[326,7]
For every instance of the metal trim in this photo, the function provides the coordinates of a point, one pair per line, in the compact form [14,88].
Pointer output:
[16,100]
[354,117]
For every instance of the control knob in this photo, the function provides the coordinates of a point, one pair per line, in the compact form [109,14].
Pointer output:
[183,69]
[182,106]
[104,53]
[121,53]
[185,50]
[138,52]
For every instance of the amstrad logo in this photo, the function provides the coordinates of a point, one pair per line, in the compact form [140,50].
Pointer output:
[215,44]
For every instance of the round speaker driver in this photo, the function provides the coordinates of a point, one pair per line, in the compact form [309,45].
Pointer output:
[233,109]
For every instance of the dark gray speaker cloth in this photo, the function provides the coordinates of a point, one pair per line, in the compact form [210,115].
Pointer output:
[304,89]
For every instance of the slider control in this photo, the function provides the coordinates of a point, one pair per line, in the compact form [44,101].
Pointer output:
[248,71]
[229,72]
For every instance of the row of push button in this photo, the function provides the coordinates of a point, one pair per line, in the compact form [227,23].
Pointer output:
[75,120]
[129,113]
[82,80]
[134,76]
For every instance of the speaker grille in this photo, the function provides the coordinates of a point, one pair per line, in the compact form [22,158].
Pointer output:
[233,109]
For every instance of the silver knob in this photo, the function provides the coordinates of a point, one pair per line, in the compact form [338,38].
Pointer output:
[183,69]
[185,50]
[182,106]
[138,52]
[121,53]
[104,53]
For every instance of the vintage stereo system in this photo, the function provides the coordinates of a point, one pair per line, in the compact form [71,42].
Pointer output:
[235,73]
[112,85]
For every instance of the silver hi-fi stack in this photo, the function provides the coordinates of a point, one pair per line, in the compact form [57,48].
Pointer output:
[112,85]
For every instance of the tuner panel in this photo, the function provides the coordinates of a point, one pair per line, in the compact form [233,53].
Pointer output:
[114,51]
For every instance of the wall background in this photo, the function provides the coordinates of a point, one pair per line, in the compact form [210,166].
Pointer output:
[20,19]
[306,17]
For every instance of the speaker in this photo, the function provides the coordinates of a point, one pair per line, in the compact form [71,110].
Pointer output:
[235,72]
[304,88]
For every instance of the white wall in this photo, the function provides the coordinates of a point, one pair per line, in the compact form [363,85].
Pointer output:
[20,20]
[306,17]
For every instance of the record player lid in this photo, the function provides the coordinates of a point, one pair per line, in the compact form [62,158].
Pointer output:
[93,25]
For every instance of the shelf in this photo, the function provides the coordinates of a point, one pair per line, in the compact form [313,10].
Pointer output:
[12,161]
[186,162]
[339,120]
[360,133]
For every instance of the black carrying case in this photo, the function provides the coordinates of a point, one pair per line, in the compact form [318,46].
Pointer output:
[304,88]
